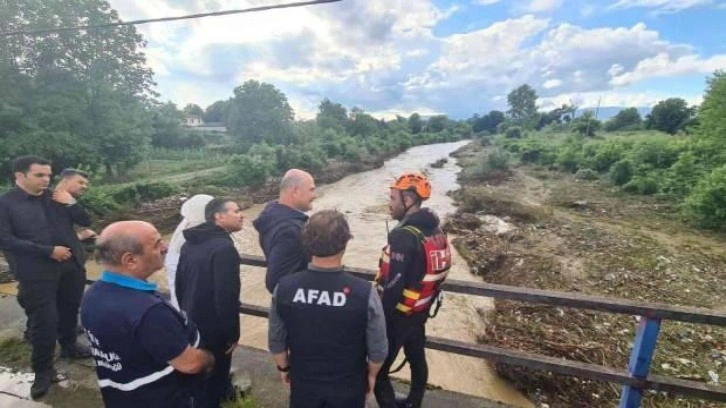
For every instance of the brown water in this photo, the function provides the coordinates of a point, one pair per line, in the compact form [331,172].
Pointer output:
[363,197]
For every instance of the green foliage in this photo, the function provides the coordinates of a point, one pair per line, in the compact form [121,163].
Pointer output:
[99,202]
[248,171]
[644,185]
[260,112]
[332,116]
[437,123]
[608,153]
[498,160]
[621,172]
[151,191]
[569,157]
[217,112]
[706,205]
[523,106]
[711,134]
[586,124]
[514,132]
[415,123]
[626,119]
[193,109]
[670,116]
[488,122]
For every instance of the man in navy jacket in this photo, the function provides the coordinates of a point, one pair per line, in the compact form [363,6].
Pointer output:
[279,227]
[208,289]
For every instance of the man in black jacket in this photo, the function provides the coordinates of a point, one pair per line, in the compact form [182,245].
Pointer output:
[279,227]
[37,232]
[208,289]
[413,266]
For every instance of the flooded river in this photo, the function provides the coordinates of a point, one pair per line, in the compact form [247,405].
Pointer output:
[363,198]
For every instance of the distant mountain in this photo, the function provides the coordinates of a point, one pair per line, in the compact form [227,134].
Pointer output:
[607,112]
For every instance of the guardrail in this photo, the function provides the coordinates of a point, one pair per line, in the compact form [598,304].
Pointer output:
[634,380]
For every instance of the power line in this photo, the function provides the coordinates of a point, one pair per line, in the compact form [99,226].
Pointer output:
[163,19]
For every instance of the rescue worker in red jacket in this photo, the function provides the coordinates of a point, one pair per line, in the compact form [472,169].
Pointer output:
[413,265]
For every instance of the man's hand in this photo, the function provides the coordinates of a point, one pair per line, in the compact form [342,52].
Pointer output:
[285,378]
[86,234]
[61,254]
[231,349]
[63,197]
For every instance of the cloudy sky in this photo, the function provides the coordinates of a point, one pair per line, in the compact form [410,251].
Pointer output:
[437,56]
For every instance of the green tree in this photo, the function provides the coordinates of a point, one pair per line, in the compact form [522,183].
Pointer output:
[193,110]
[415,123]
[168,132]
[437,123]
[670,115]
[361,124]
[586,124]
[216,112]
[488,122]
[711,133]
[523,105]
[626,119]
[332,115]
[258,112]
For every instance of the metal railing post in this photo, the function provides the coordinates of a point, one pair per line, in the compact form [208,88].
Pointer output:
[640,358]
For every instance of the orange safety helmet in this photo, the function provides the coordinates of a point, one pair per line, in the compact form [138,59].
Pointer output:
[416,182]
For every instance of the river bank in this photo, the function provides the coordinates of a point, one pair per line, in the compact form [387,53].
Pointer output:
[530,227]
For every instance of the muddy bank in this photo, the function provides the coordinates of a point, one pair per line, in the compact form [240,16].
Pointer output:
[554,232]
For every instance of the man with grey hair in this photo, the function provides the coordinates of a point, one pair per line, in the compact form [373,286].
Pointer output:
[279,226]
[327,331]
[145,349]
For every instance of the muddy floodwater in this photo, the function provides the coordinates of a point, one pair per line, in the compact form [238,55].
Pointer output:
[363,198]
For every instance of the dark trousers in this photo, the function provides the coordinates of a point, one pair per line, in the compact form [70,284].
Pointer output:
[408,333]
[51,306]
[313,395]
[218,387]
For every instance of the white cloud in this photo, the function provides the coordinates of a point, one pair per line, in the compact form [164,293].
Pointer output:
[589,100]
[664,65]
[386,58]
[542,6]
[668,6]
[552,83]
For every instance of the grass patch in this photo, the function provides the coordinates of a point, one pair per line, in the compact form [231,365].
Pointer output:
[242,402]
[14,352]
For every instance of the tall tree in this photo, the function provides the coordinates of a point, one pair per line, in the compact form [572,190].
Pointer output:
[194,110]
[415,123]
[488,122]
[332,115]
[523,105]
[216,112]
[670,115]
[626,119]
[362,124]
[437,123]
[258,112]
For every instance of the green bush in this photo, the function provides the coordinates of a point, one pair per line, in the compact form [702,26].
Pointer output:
[621,172]
[608,153]
[125,194]
[642,185]
[706,205]
[683,175]
[155,190]
[514,132]
[99,202]
[498,160]
[247,171]
[656,153]
[569,158]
